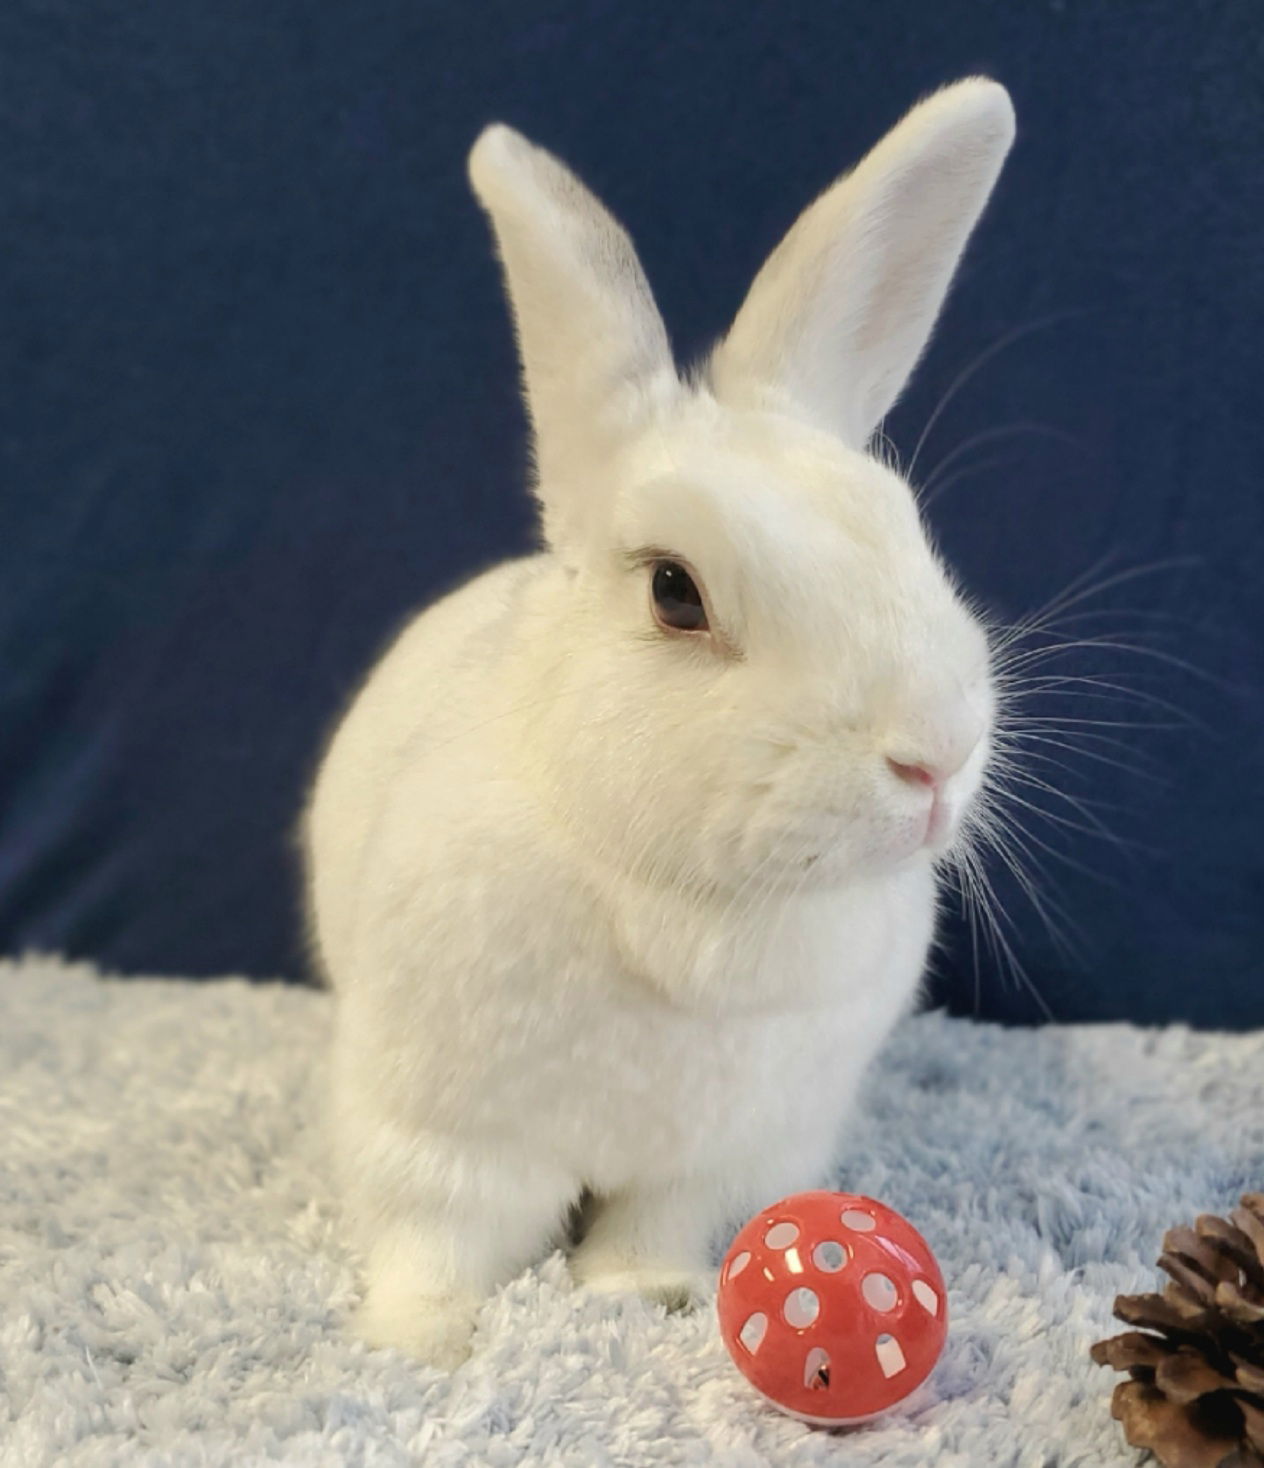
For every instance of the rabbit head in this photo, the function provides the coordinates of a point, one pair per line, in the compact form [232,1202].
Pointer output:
[748,657]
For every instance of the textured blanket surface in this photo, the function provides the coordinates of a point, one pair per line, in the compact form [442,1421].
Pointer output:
[173,1288]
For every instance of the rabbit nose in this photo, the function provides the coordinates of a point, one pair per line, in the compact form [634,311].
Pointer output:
[913,774]
[935,770]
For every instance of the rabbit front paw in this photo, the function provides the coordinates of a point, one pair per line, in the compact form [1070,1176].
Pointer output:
[434,1329]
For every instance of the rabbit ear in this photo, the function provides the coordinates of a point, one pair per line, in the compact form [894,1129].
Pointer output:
[842,310]
[594,350]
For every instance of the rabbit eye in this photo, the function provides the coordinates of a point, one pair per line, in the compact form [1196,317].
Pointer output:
[678,603]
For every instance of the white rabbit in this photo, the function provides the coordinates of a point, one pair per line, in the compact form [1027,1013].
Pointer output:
[622,863]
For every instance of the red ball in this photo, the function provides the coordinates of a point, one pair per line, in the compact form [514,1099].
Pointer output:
[832,1306]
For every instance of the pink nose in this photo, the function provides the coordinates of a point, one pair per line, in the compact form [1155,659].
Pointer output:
[914,774]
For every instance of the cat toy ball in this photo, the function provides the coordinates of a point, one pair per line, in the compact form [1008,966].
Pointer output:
[832,1306]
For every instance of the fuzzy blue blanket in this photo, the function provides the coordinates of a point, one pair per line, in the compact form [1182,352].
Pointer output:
[174,1288]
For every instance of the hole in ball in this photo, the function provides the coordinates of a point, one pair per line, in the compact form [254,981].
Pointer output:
[816,1369]
[781,1235]
[890,1357]
[829,1256]
[925,1296]
[801,1308]
[879,1292]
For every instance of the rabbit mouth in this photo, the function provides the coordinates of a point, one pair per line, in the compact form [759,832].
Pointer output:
[939,823]
[945,822]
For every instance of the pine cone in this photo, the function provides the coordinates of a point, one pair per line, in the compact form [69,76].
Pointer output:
[1195,1397]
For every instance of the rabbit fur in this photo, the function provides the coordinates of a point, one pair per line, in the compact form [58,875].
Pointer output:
[618,911]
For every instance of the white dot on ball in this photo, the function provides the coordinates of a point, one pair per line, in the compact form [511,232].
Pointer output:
[829,1256]
[751,1334]
[801,1308]
[781,1235]
[879,1292]
[926,1297]
[890,1357]
[738,1263]
[858,1221]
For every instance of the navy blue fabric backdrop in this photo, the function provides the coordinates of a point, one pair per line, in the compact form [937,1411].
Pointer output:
[259,400]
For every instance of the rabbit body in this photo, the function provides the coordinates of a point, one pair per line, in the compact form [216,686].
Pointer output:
[516,1026]
[619,892]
